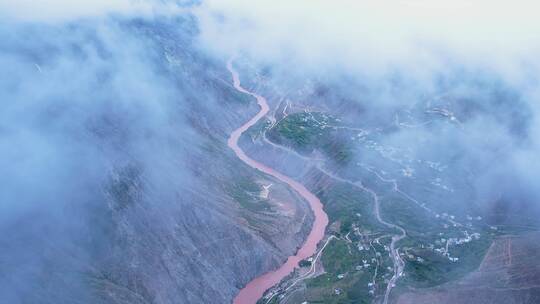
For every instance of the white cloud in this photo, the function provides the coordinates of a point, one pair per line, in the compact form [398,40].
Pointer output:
[62,10]
[373,33]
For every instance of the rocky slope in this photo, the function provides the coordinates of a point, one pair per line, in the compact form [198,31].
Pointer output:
[159,210]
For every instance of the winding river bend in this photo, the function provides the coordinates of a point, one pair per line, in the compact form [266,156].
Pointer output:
[255,289]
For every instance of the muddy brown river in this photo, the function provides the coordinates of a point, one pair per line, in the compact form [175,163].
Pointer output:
[255,289]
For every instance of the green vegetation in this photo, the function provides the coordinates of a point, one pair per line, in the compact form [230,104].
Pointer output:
[246,192]
[435,269]
[258,129]
[337,259]
[357,264]
[352,209]
[408,215]
[348,205]
[304,263]
[308,131]
[301,130]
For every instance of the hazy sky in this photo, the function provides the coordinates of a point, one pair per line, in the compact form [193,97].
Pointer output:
[66,10]
[373,34]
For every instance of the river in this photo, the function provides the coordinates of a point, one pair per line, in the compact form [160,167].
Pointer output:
[255,289]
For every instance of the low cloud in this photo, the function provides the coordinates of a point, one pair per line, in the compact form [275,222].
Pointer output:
[388,55]
[375,37]
[58,11]
[85,103]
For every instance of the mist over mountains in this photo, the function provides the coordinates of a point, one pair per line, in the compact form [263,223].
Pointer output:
[118,187]
[478,56]
[84,102]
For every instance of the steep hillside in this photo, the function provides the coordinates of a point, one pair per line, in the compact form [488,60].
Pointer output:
[135,196]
